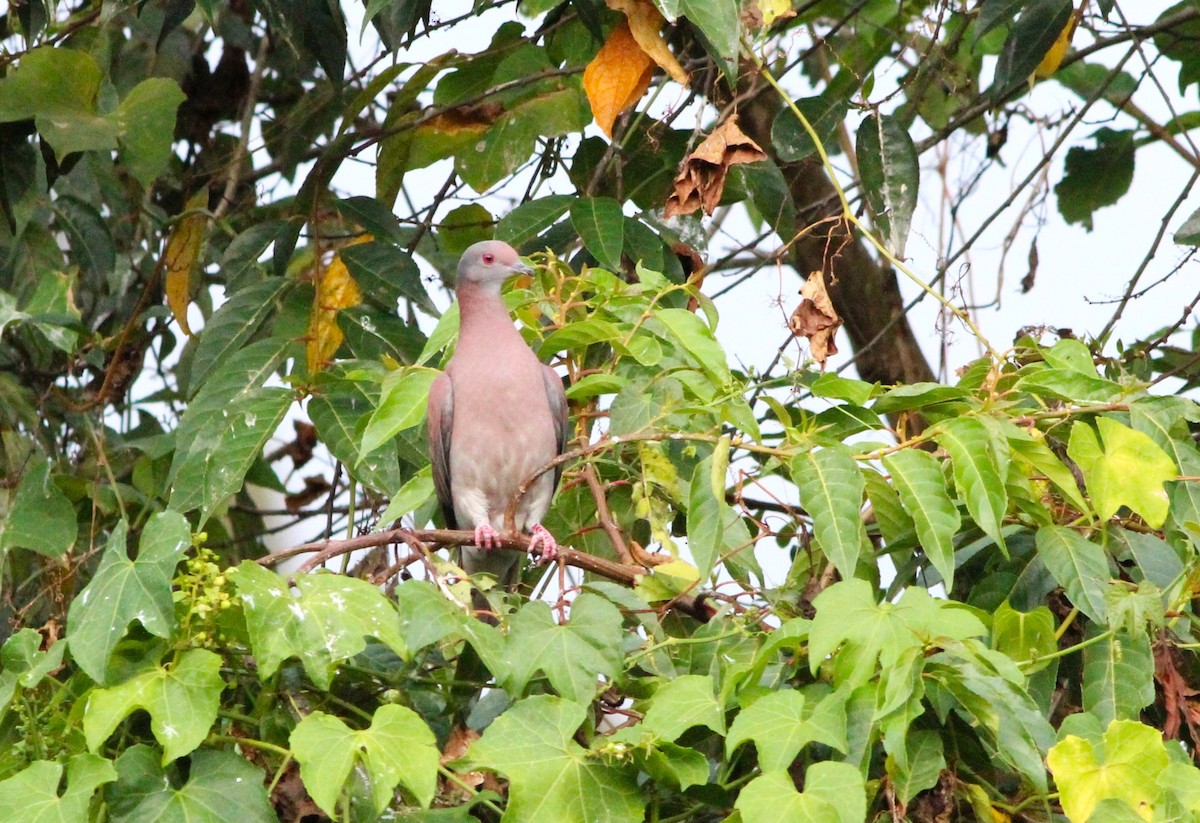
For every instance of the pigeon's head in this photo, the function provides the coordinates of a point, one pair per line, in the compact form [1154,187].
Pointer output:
[490,263]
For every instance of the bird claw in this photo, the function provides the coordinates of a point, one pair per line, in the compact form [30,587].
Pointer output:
[542,544]
[487,538]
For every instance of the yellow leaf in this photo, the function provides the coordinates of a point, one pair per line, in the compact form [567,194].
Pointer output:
[336,290]
[645,21]
[181,255]
[1058,51]
[617,77]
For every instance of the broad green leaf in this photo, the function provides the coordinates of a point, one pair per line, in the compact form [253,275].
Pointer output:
[926,761]
[31,795]
[1166,421]
[1122,467]
[182,702]
[573,656]
[22,658]
[891,176]
[397,748]
[386,274]
[601,226]
[146,121]
[976,473]
[530,219]
[894,522]
[673,765]
[551,777]
[124,590]
[995,13]
[922,488]
[1067,385]
[1156,559]
[1042,460]
[1118,676]
[917,396]
[1094,178]
[240,260]
[696,336]
[375,218]
[707,514]
[426,615]
[682,703]
[1028,41]
[1079,566]
[336,414]
[221,786]
[1189,233]
[1024,635]
[92,246]
[233,324]
[1127,769]
[464,226]
[836,387]
[833,793]
[52,310]
[831,490]
[781,724]
[40,517]
[718,21]
[402,403]
[415,492]
[825,112]
[325,622]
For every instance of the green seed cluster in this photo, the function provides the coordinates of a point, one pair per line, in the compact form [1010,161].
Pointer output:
[203,587]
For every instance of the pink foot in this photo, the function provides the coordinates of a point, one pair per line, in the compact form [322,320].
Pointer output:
[486,537]
[542,544]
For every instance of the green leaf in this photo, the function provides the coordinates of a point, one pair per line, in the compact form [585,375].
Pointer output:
[54,297]
[1094,178]
[123,590]
[551,777]
[1067,385]
[681,704]
[917,396]
[416,492]
[1028,41]
[836,387]
[1024,635]
[831,490]
[707,514]
[182,702]
[324,623]
[1189,233]
[426,615]
[1122,467]
[221,786]
[464,226]
[825,112]
[697,337]
[573,656]
[402,403]
[146,119]
[833,793]
[23,658]
[375,217]
[894,522]
[1079,566]
[891,176]
[386,274]
[1041,459]
[92,247]
[918,478]
[31,795]
[925,763]
[601,226]
[976,473]
[995,13]
[1118,675]
[719,22]
[337,414]
[781,724]
[530,219]
[1126,768]
[233,324]
[398,748]
[40,517]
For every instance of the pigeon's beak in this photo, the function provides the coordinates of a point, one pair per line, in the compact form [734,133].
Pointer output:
[520,267]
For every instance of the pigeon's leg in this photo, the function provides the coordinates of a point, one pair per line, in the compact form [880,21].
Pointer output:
[486,537]
[542,544]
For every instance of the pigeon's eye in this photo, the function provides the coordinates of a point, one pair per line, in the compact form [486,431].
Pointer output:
[489,258]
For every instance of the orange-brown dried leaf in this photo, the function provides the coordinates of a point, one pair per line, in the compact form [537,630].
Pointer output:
[182,254]
[815,318]
[701,178]
[645,23]
[617,77]
[336,290]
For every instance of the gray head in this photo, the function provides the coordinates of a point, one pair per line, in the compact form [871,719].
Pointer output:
[489,263]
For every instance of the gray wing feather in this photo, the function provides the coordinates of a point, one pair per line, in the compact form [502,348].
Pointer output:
[439,424]
[558,412]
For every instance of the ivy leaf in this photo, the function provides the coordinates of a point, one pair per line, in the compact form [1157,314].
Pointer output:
[1024,635]
[1079,566]
[146,121]
[182,702]
[780,725]
[40,517]
[891,177]
[1122,467]
[833,793]
[31,795]
[551,777]
[1096,177]
[573,656]
[124,590]
[220,786]
[682,703]
[323,624]
[601,226]
[1126,768]
[398,748]
[918,478]
[1118,676]
[976,473]
[831,490]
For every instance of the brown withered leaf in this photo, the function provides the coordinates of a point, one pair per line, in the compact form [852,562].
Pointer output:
[1177,696]
[815,318]
[315,487]
[701,178]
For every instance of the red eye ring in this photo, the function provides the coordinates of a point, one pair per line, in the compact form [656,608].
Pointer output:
[489,258]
